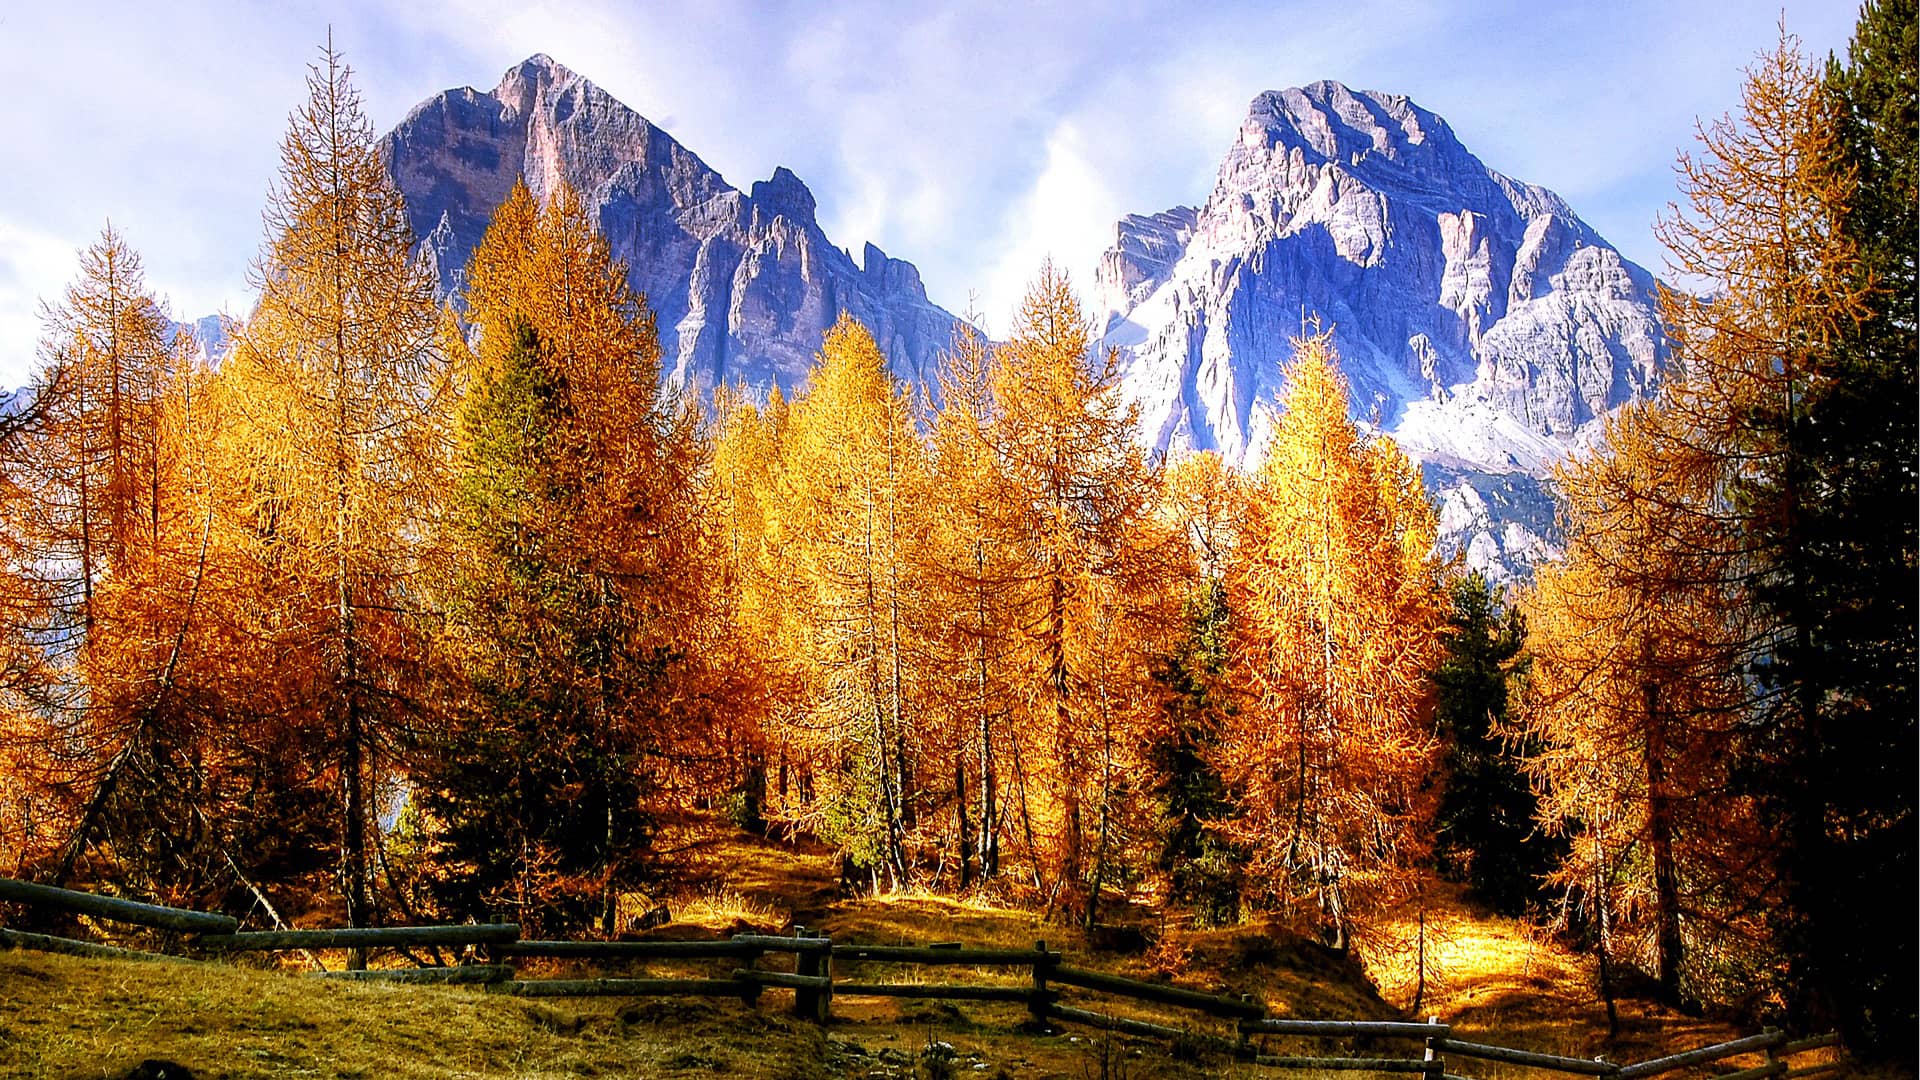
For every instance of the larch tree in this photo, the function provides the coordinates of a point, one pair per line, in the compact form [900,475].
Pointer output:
[574,586]
[854,479]
[1635,709]
[88,492]
[93,463]
[753,585]
[1691,549]
[340,372]
[1074,495]
[973,580]
[1842,775]
[1336,608]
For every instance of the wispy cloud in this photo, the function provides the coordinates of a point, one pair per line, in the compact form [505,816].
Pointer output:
[971,139]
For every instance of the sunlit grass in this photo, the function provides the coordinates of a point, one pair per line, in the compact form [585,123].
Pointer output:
[718,907]
[1496,980]
[62,1017]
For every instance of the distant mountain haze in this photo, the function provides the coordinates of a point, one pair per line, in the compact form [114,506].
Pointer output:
[1479,320]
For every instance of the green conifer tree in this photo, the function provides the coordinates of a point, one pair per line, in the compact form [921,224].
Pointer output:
[1841,775]
[1485,826]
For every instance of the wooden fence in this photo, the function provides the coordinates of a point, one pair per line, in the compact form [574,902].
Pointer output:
[1430,1045]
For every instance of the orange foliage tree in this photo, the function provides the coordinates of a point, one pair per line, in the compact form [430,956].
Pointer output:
[973,578]
[337,379]
[852,494]
[1337,609]
[1071,498]
[575,584]
[89,488]
[1659,638]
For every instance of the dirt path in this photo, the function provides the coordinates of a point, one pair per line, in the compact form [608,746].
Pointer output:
[786,884]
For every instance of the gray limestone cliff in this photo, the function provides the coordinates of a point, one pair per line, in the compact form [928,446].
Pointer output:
[742,284]
[1478,319]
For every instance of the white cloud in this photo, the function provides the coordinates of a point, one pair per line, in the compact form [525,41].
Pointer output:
[1067,216]
[29,258]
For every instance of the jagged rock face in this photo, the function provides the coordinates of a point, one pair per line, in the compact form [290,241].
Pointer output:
[1478,319]
[209,337]
[742,284]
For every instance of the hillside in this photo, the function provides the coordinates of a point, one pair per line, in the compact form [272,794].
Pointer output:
[62,1017]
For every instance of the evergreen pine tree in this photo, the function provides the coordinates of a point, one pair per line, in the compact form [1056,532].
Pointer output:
[1842,776]
[1485,824]
[1202,866]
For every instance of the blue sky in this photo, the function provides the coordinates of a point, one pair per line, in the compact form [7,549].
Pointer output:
[971,139]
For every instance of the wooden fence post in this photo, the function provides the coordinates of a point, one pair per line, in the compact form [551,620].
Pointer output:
[750,989]
[805,963]
[1436,1067]
[1776,1057]
[826,972]
[1037,1004]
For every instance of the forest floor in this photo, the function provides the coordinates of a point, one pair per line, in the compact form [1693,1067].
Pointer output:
[1492,978]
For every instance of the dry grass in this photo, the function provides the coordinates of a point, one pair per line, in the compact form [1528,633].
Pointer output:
[721,909]
[1501,980]
[67,1018]
[1489,977]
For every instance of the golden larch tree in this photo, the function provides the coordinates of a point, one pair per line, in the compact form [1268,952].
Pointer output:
[1337,608]
[1661,637]
[854,481]
[340,374]
[1072,495]
[575,583]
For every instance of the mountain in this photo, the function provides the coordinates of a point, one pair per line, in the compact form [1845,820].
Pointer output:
[742,284]
[1480,322]
[1478,319]
[209,336]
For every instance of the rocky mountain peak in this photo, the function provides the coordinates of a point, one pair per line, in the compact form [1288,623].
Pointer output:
[1333,123]
[784,195]
[743,284]
[526,81]
[1478,319]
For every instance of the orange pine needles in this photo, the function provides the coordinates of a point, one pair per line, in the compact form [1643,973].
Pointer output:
[1337,606]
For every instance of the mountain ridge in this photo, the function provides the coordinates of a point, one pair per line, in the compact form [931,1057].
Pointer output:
[1479,320]
[743,284]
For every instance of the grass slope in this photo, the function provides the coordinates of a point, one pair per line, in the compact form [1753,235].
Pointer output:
[63,1018]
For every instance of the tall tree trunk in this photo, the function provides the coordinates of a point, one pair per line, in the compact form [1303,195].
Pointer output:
[961,825]
[1106,804]
[989,844]
[1063,724]
[1666,882]
[354,836]
[989,823]
[1605,908]
[353,765]
[1026,815]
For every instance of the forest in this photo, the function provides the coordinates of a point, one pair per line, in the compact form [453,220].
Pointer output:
[422,607]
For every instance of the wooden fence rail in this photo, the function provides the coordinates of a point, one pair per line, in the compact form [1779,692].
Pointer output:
[1333,1029]
[114,908]
[814,985]
[633,950]
[1509,1056]
[363,937]
[462,974]
[20,939]
[1764,1041]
